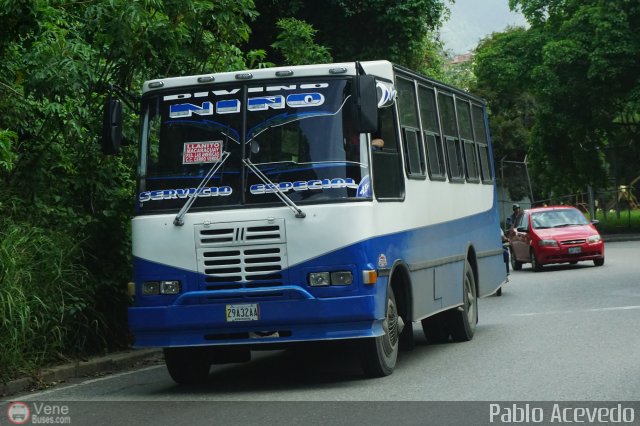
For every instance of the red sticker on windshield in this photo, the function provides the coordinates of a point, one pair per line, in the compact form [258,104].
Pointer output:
[202,152]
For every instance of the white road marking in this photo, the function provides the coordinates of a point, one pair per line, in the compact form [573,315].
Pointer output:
[617,308]
[87,382]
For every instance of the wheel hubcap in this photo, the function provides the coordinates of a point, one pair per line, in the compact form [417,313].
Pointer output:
[391,328]
[471,302]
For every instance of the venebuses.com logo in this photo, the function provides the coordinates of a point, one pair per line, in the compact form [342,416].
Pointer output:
[20,413]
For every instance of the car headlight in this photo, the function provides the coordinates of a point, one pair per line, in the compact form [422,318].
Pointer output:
[594,239]
[548,243]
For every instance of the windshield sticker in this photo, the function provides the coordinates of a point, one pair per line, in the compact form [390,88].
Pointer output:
[173,194]
[364,188]
[202,152]
[315,184]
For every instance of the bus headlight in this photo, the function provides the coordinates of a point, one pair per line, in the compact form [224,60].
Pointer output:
[319,279]
[322,279]
[151,288]
[341,278]
[169,287]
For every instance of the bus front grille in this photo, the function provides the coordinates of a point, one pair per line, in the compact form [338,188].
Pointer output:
[241,255]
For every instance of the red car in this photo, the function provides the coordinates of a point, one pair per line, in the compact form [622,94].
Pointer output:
[558,234]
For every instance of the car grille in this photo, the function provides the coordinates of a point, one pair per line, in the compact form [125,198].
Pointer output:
[241,255]
[570,242]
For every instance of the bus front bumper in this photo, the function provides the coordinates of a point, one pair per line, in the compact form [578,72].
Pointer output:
[278,321]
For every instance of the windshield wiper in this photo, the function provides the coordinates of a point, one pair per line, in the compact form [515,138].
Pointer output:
[283,197]
[178,221]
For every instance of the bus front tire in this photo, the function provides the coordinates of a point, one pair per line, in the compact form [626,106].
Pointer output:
[379,354]
[463,319]
[187,366]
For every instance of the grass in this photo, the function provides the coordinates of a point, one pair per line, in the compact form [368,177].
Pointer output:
[46,299]
[614,223]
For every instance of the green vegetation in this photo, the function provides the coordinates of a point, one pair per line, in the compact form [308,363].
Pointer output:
[64,206]
[628,221]
[565,91]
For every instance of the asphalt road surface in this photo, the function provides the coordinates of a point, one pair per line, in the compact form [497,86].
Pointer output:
[568,333]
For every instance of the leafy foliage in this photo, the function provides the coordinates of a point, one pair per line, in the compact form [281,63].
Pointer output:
[296,43]
[402,32]
[65,208]
[577,65]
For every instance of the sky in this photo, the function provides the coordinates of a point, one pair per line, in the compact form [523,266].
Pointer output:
[472,20]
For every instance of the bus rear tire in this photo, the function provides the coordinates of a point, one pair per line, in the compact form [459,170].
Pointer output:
[435,328]
[463,319]
[187,366]
[378,355]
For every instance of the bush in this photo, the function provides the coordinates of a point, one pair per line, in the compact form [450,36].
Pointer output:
[47,300]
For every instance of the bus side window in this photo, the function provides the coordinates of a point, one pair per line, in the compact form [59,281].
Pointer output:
[480,136]
[452,142]
[410,127]
[432,140]
[466,135]
[388,181]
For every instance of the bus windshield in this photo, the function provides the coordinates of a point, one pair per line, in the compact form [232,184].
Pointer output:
[297,134]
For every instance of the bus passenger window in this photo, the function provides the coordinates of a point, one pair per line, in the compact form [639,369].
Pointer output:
[450,131]
[388,181]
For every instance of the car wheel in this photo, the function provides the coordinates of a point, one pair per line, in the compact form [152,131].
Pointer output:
[535,266]
[598,262]
[514,262]
[379,354]
[464,318]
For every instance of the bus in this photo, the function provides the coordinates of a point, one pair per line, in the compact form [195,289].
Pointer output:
[342,202]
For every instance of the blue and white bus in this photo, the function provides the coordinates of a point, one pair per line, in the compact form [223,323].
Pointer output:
[343,201]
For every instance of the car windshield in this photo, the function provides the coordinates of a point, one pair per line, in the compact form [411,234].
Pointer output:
[297,134]
[557,218]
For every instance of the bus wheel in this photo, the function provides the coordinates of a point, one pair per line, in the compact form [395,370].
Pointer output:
[379,354]
[435,328]
[464,318]
[187,366]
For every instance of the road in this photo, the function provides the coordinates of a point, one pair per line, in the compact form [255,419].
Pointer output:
[568,333]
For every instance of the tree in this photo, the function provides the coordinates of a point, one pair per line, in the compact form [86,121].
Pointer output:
[583,81]
[403,32]
[56,61]
[502,65]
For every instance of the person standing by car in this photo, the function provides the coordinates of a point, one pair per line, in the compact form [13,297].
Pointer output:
[511,221]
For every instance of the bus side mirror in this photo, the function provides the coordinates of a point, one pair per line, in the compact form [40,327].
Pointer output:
[112,126]
[366,104]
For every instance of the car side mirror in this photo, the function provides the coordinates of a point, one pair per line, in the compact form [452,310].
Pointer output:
[522,229]
[595,221]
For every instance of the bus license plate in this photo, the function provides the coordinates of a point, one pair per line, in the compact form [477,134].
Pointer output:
[248,312]
[574,250]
